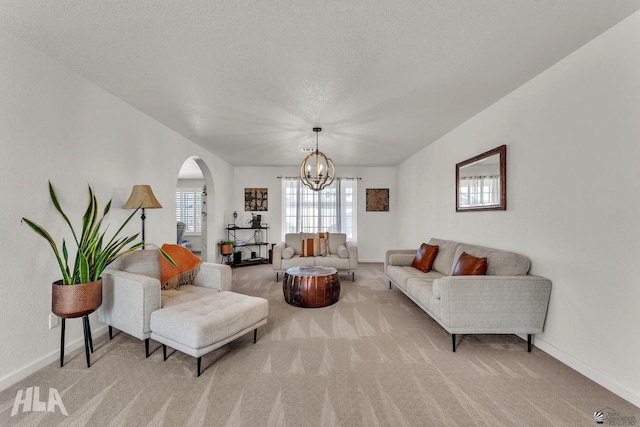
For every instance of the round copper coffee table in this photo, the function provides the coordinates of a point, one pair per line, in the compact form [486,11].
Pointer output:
[311,286]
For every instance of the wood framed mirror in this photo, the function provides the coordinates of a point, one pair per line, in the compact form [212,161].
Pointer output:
[481,182]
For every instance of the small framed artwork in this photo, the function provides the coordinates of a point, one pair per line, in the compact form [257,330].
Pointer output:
[256,199]
[377,200]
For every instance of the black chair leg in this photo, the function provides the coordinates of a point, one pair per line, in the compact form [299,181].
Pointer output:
[353,276]
[255,335]
[164,352]
[389,284]
[146,347]
[529,343]
[277,276]
[62,342]
[199,360]
[110,332]
[453,342]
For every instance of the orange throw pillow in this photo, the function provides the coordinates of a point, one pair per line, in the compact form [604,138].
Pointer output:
[188,266]
[309,247]
[468,265]
[425,256]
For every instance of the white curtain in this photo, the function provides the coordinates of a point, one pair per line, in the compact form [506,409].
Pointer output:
[332,209]
[481,190]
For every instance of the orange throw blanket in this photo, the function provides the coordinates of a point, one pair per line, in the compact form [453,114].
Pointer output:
[188,267]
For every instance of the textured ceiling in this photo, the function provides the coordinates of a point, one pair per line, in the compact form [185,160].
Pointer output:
[248,80]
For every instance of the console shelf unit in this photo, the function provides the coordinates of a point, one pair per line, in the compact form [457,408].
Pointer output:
[241,233]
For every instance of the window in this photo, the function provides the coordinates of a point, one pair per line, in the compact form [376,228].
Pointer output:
[479,190]
[189,209]
[332,209]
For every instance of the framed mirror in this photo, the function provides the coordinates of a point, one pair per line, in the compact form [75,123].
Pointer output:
[481,182]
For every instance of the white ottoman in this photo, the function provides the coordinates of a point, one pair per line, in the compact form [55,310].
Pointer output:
[203,325]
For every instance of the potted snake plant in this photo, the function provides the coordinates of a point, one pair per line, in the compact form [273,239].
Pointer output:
[79,292]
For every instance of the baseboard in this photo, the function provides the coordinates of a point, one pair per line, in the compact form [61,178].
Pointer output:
[20,374]
[587,371]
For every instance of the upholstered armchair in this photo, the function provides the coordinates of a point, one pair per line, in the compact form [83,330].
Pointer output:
[131,291]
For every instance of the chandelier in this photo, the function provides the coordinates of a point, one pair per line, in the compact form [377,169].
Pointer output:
[317,170]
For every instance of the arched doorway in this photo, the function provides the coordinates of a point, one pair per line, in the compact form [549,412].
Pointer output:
[194,185]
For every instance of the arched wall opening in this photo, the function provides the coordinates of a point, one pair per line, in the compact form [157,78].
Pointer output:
[194,189]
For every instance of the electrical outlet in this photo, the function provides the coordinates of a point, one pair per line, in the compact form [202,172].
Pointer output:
[54,321]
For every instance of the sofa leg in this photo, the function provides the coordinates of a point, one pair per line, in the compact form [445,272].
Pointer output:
[529,343]
[389,284]
[255,335]
[277,276]
[146,347]
[199,364]
[353,276]
[110,332]
[453,342]
[164,352]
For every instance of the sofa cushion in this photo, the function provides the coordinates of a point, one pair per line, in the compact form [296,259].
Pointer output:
[297,261]
[171,297]
[468,265]
[333,261]
[401,274]
[294,240]
[421,292]
[446,257]
[424,257]
[499,263]
[140,262]
[288,252]
[335,240]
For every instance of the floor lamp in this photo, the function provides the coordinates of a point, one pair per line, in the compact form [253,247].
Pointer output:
[142,197]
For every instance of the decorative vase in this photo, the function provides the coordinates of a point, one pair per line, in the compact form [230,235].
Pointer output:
[226,249]
[75,300]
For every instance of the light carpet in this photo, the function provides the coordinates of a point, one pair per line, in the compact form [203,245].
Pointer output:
[372,359]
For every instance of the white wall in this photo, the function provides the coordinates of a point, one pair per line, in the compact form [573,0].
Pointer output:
[573,141]
[57,126]
[374,235]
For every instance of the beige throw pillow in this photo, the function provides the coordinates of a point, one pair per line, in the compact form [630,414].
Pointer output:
[288,252]
[343,252]
[323,244]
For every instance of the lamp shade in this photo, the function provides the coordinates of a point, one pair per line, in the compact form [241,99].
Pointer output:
[142,197]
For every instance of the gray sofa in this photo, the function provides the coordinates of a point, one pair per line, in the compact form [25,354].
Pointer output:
[341,255]
[131,291]
[507,300]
